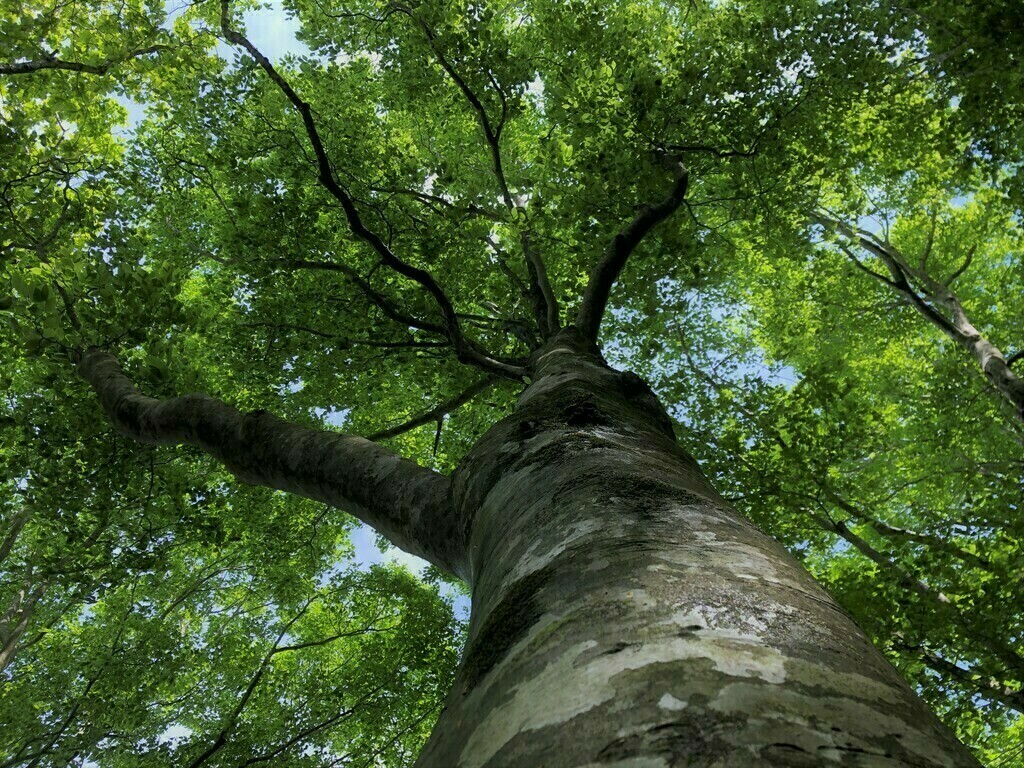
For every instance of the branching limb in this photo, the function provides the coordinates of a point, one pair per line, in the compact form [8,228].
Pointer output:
[386,305]
[986,687]
[939,602]
[864,268]
[431,201]
[931,293]
[465,349]
[936,543]
[606,272]
[545,304]
[235,714]
[437,413]
[406,503]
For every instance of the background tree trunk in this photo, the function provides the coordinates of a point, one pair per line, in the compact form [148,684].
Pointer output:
[624,615]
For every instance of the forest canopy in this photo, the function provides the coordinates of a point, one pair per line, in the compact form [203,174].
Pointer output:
[821,206]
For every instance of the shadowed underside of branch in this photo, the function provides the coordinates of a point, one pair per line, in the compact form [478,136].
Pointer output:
[406,503]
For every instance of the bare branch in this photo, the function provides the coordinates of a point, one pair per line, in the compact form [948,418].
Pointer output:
[607,271]
[923,261]
[963,267]
[53,62]
[936,543]
[347,341]
[986,687]
[864,268]
[546,308]
[703,148]
[437,413]
[386,305]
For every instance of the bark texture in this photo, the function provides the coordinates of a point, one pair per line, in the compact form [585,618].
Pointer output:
[624,615]
[404,502]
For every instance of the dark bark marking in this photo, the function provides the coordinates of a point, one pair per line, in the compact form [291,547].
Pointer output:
[585,413]
[789,755]
[694,742]
[507,623]
[639,393]
[589,655]
[644,491]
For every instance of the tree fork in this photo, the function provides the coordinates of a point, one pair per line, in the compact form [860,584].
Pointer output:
[624,615]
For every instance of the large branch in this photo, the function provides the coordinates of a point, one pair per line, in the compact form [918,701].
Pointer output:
[407,504]
[465,349]
[606,272]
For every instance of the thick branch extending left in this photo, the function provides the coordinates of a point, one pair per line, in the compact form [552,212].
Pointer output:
[404,502]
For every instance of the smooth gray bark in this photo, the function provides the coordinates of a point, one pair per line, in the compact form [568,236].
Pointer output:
[403,501]
[624,615]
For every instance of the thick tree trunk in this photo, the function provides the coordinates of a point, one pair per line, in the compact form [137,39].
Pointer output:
[624,615]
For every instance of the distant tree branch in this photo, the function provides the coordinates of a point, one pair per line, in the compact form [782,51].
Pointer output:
[52,61]
[706,149]
[348,341]
[986,687]
[939,601]
[437,413]
[968,259]
[936,543]
[243,701]
[960,328]
[404,502]
[606,272]
[385,304]
[432,200]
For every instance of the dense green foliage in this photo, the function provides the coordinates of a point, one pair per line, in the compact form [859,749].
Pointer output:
[155,612]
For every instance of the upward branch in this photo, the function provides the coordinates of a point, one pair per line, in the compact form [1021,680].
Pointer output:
[607,271]
[929,294]
[465,349]
[407,504]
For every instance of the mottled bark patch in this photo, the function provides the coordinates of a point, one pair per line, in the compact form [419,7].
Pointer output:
[509,622]
[643,491]
[692,742]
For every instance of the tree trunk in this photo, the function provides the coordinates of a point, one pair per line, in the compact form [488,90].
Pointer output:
[624,615]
